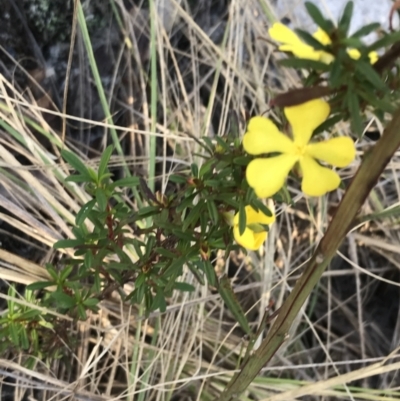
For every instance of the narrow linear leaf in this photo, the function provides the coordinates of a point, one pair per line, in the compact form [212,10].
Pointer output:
[105,158]
[366,30]
[75,162]
[242,218]
[193,216]
[344,22]
[258,204]
[303,63]
[125,182]
[213,212]
[67,243]
[101,199]
[84,212]
[39,285]
[310,40]
[317,17]
[368,72]
[229,297]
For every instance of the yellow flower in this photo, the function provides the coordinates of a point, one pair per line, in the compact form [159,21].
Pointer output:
[267,175]
[292,43]
[254,234]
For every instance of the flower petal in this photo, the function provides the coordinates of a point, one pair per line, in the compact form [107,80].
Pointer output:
[339,152]
[257,217]
[305,117]
[263,136]
[317,180]
[267,176]
[281,33]
[291,42]
[322,37]
[354,53]
[249,239]
[373,57]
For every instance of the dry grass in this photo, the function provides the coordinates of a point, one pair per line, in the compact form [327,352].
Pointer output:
[344,344]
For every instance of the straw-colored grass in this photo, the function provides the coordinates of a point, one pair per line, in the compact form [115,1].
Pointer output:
[340,340]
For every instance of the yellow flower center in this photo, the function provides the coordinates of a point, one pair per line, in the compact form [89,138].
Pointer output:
[300,150]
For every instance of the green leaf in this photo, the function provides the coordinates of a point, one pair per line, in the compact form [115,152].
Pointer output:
[188,202]
[206,167]
[13,329]
[91,302]
[39,285]
[242,218]
[178,179]
[352,42]
[303,63]
[125,182]
[210,273]
[318,18]
[148,211]
[222,143]
[30,314]
[310,40]
[229,297]
[385,41]
[79,178]
[105,158]
[65,273]
[368,72]
[101,199]
[345,20]
[354,109]
[68,243]
[84,212]
[242,160]
[75,162]
[336,75]
[366,30]
[63,300]
[24,338]
[213,211]
[159,301]
[193,216]
[164,252]
[195,169]
[259,205]
[380,104]
[88,260]
[82,312]
[184,287]
[327,124]
[52,271]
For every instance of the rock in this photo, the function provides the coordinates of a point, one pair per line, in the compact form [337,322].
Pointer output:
[365,12]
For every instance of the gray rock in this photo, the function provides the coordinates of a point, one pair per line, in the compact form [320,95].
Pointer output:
[365,12]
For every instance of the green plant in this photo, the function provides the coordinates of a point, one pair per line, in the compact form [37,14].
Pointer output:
[148,242]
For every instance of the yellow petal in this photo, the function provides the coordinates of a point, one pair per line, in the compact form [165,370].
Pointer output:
[354,53]
[253,216]
[326,58]
[249,239]
[267,176]
[281,33]
[291,42]
[322,37]
[317,180]
[305,117]
[262,136]
[339,152]
[373,57]
[302,50]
